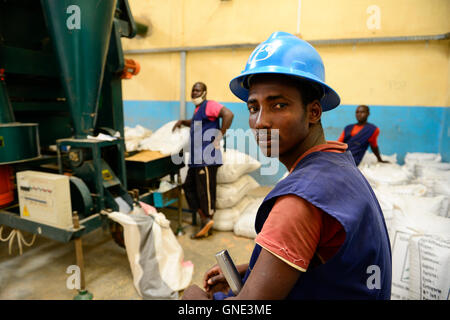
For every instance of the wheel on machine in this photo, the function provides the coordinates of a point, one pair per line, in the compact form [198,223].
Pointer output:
[117,233]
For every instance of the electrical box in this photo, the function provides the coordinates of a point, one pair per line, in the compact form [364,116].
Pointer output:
[45,198]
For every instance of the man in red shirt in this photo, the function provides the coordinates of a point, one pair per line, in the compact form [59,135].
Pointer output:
[358,136]
[321,228]
[200,184]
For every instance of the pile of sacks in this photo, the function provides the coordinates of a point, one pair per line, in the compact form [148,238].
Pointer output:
[163,140]
[233,185]
[133,137]
[414,199]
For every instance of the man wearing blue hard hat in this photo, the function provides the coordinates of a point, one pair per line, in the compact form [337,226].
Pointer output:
[320,231]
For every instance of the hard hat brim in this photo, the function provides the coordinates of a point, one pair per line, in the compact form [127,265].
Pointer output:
[329,101]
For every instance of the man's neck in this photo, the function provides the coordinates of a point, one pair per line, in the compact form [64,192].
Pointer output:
[314,138]
[361,123]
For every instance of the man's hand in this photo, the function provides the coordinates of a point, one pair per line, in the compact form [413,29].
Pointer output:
[195,293]
[177,125]
[214,281]
[217,140]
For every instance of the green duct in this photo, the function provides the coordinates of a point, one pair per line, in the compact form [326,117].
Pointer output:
[6,111]
[80,31]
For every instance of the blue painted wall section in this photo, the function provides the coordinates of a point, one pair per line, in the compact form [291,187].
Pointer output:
[402,129]
[150,114]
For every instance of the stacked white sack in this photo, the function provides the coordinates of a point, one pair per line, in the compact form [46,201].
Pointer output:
[414,201]
[233,184]
[229,201]
[405,226]
[430,262]
[235,164]
[370,159]
[225,219]
[133,137]
[386,174]
[245,225]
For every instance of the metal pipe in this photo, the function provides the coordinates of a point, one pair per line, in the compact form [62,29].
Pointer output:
[183,85]
[443,36]
[6,111]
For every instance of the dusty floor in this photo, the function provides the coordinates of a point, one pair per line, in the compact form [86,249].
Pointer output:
[40,272]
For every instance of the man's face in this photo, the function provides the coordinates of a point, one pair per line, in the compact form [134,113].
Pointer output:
[362,113]
[275,103]
[197,91]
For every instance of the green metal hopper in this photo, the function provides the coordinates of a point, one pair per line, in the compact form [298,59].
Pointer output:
[80,31]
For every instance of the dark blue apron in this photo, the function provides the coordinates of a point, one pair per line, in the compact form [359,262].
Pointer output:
[333,183]
[359,143]
[203,133]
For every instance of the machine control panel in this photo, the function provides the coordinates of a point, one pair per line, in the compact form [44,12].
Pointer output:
[45,198]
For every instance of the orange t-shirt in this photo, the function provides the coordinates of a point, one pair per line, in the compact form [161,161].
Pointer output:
[296,231]
[357,128]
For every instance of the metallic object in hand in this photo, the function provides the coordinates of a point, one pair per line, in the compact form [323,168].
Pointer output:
[229,271]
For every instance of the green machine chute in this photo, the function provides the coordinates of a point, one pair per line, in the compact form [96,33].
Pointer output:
[60,84]
[80,31]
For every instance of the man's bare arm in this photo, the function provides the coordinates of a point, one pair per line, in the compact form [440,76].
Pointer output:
[227,118]
[270,279]
[376,152]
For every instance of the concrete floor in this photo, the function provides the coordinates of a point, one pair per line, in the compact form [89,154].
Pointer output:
[40,272]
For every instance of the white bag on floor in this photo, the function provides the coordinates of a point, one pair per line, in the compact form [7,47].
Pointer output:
[370,159]
[386,174]
[235,164]
[430,267]
[229,194]
[155,256]
[418,190]
[422,157]
[224,219]
[437,206]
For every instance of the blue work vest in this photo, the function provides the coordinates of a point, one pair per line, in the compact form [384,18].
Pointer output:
[362,267]
[359,143]
[203,132]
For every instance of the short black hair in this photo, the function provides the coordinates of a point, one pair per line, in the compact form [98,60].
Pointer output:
[309,90]
[202,84]
[364,106]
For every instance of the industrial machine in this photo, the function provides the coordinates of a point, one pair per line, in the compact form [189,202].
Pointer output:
[61,67]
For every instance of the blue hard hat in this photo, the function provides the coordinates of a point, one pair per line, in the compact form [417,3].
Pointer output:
[284,53]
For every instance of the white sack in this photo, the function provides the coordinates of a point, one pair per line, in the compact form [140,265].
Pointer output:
[245,226]
[418,190]
[422,157]
[133,137]
[429,267]
[137,132]
[387,174]
[370,159]
[235,164]
[224,219]
[229,194]
[405,225]
[437,206]
[166,141]
[154,254]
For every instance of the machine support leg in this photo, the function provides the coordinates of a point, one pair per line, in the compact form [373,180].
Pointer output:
[83,294]
[180,211]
